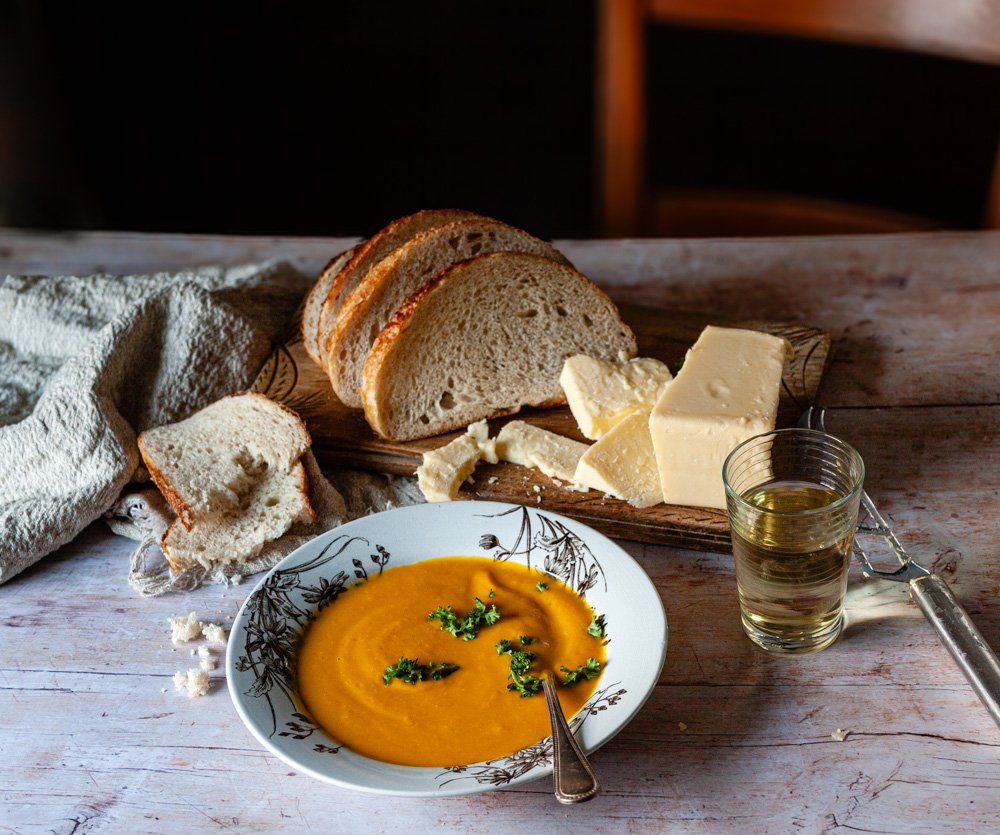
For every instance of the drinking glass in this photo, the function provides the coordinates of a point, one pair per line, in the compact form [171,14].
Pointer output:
[792,496]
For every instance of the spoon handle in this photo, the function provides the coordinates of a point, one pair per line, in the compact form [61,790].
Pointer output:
[575,780]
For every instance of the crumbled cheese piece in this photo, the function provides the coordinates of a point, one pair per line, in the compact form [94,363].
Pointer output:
[184,628]
[555,455]
[194,682]
[492,479]
[443,470]
[536,488]
[840,735]
[623,464]
[600,393]
[213,632]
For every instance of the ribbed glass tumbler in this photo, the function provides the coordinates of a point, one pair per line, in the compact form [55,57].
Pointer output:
[792,497]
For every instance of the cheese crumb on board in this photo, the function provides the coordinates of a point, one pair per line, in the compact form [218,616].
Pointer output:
[726,392]
[840,735]
[601,393]
[183,629]
[194,682]
[214,633]
[527,445]
[622,463]
[444,469]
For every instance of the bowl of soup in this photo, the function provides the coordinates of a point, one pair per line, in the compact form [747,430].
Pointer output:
[402,653]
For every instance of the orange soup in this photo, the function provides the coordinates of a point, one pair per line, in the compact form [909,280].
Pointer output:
[464,716]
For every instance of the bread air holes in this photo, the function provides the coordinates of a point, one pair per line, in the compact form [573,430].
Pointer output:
[530,313]
[271,501]
[447,401]
[561,310]
[588,321]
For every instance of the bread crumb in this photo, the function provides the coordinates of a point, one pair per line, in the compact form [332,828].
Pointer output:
[840,735]
[682,726]
[194,682]
[206,661]
[184,629]
[214,633]
[492,479]
[536,488]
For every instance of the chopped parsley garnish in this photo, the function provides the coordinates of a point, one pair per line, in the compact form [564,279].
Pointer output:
[542,586]
[410,671]
[526,640]
[520,663]
[492,594]
[597,626]
[466,628]
[587,671]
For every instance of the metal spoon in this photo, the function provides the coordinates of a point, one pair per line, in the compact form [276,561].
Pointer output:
[575,780]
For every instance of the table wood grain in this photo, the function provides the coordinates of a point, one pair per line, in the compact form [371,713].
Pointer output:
[94,738]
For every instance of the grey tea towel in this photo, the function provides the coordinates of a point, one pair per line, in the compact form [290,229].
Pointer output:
[88,362]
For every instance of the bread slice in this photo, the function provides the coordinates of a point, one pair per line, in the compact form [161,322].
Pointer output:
[313,305]
[209,463]
[484,338]
[374,250]
[265,512]
[368,308]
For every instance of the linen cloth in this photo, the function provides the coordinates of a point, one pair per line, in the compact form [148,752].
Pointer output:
[88,362]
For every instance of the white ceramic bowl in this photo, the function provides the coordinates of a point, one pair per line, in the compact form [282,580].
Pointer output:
[269,623]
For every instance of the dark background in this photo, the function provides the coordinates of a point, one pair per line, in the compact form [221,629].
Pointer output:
[328,119]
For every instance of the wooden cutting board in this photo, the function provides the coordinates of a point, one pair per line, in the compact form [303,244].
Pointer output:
[341,437]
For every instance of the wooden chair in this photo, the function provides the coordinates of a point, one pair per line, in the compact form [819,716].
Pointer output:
[628,206]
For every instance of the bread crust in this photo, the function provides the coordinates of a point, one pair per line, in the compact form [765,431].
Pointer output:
[348,329]
[314,301]
[404,317]
[330,308]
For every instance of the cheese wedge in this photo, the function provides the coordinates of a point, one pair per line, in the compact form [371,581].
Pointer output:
[600,393]
[622,463]
[555,455]
[444,469]
[726,392]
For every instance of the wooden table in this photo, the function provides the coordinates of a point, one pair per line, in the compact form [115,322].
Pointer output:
[93,736]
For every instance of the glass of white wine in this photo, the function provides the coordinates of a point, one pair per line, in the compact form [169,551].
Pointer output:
[792,497]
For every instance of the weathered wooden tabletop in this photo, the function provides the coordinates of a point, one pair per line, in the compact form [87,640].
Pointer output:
[93,736]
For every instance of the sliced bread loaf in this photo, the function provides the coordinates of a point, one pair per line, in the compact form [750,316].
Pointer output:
[209,463]
[484,338]
[265,512]
[372,251]
[313,304]
[371,304]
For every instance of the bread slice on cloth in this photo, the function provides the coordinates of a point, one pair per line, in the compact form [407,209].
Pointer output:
[484,338]
[370,252]
[314,304]
[369,307]
[211,462]
[266,511]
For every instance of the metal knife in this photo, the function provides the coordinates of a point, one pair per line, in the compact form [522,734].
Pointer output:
[952,623]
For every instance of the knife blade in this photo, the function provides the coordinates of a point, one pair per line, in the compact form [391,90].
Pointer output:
[954,627]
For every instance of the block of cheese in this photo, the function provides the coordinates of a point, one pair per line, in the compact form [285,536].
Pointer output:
[444,469]
[555,455]
[622,463]
[726,392]
[600,393]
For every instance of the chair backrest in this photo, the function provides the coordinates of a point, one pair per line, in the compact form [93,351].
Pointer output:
[967,30]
